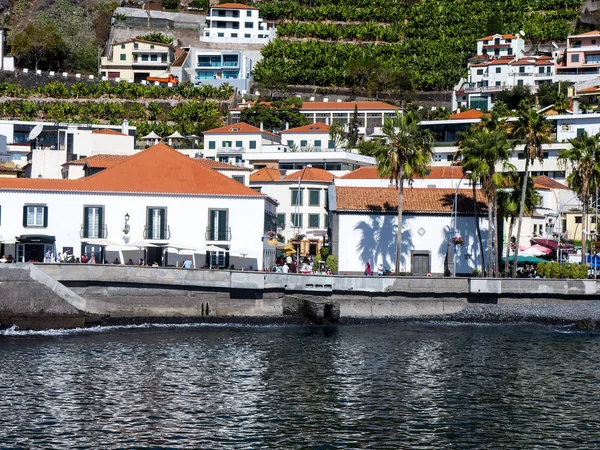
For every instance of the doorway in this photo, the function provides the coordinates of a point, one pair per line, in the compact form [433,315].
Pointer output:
[420,263]
[154,255]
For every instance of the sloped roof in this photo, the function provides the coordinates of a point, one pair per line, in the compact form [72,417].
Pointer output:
[346,106]
[311,174]
[470,114]
[544,182]
[108,131]
[317,127]
[589,33]
[504,36]
[97,161]
[241,127]
[265,174]
[435,172]
[156,170]
[218,165]
[232,6]
[425,200]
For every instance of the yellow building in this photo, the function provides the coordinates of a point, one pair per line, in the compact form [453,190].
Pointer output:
[136,59]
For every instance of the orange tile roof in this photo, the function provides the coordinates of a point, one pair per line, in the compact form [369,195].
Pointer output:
[469,114]
[156,170]
[218,165]
[241,127]
[501,62]
[232,6]
[265,174]
[317,127]
[426,200]
[504,36]
[434,172]
[544,182]
[108,131]
[311,174]
[97,161]
[589,33]
[590,89]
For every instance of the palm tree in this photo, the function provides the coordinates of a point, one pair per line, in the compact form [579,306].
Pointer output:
[536,130]
[482,150]
[584,159]
[407,155]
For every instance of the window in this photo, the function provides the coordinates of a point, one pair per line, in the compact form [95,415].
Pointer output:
[498,83]
[122,57]
[580,132]
[212,145]
[234,35]
[314,197]
[122,45]
[238,143]
[318,143]
[220,34]
[218,225]
[152,47]
[247,36]
[154,58]
[224,159]
[479,71]
[510,51]
[592,59]
[326,221]
[520,83]
[35,216]
[281,221]
[248,13]
[296,199]
[156,225]
[252,145]
[313,221]
[541,70]
[144,57]
[239,178]
[577,219]
[297,220]
[93,222]
[303,143]
[574,58]
[135,45]
[248,25]
[331,144]
[521,69]
[226,143]
[290,143]
[498,69]
[593,41]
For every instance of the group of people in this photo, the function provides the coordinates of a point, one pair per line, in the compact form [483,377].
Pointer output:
[369,272]
[6,259]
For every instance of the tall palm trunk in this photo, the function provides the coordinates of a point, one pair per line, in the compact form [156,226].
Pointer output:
[510,232]
[400,206]
[477,229]
[490,235]
[584,199]
[496,242]
[521,212]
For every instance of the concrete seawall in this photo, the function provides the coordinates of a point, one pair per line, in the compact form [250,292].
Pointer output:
[79,293]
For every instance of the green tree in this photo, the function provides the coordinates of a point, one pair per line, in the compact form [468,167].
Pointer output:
[536,131]
[583,158]
[40,45]
[353,129]
[408,155]
[276,115]
[157,37]
[337,134]
[514,97]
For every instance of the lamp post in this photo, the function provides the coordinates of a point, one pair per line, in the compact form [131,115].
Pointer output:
[298,227]
[454,219]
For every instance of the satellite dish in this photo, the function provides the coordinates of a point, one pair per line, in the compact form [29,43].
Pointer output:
[35,131]
[522,33]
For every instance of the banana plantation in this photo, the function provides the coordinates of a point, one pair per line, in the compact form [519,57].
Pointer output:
[431,40]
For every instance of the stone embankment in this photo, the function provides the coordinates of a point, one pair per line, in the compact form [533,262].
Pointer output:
[66,295]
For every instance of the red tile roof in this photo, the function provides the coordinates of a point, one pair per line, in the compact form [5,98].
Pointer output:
[590,89]
[311,174]
[232,6]
[435,172]
[504,36]
[156,170]
[108,131]
[544,182]
[425,200]
[241,127]
[97,161]
[589,33]
[469,114]
[265,174]
[317,127]
[218,165]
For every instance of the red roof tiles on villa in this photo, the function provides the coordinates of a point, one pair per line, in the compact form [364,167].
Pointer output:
[469,114]
[265,174]
[346,106]
[317,127]
[108,131]
[98,161]
[435,172]
[232,6]
[218,165]
[311,174]
[544,182]
[504,36]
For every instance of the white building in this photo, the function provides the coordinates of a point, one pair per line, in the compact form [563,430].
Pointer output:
[313,137]
[236,23]
[150,201]
[302,209]
[364,225]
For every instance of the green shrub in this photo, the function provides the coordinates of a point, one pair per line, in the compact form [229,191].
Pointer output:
[565,271]
[554,271]
[316,263]
[170,4]
[332,262]
[541,269]
[583,271]
[324,253]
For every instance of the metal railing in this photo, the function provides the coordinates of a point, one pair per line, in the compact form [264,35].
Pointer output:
[164,234]
[218,234]
[101,233]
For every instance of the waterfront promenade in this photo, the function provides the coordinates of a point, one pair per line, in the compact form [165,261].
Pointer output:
[42,295]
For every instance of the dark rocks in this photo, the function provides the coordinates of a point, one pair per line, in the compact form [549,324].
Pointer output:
[587,324]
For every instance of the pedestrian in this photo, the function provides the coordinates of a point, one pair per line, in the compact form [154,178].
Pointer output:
[48,257]
[188,264]
[368,271]
[380,270]
[3,260]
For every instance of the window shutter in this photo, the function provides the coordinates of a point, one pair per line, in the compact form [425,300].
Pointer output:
[86,222]
[101,223]
[212,226]
[25,216]
[45,217]
[149,224]
[163,225]
[222,225]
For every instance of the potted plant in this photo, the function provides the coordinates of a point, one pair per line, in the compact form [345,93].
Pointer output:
[458,240]
[299,237]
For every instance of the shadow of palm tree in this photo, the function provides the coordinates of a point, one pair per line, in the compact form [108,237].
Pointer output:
[378,241]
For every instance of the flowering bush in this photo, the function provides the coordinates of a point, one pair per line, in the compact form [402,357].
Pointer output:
[271,234]
[458,240]
[299,237]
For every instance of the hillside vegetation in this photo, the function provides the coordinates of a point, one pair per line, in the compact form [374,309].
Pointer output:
[368,45]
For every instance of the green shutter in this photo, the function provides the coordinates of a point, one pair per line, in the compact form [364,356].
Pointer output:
[25,216]
[45,217]
[86,222]
[149,225]
[101,223]
[163,225]
[222,225]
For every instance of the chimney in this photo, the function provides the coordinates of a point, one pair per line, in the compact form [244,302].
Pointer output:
[262,127]
[287,125]
[325,99]
[125,127]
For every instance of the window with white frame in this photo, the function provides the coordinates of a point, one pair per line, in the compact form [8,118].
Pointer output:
[314,197]
[35,216]
[92,222]
[297,220]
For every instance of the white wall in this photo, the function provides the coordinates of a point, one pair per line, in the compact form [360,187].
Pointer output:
[372,237]
[310,139]
[111,144]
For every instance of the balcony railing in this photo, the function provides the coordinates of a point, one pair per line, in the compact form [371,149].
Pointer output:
[149,63]
[228,150]
[88,233]
[164,234]
[218,234]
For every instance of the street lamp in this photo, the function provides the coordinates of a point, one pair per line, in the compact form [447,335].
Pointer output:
[454,228]
[298,199]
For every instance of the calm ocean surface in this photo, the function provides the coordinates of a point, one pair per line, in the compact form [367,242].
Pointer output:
[380,386]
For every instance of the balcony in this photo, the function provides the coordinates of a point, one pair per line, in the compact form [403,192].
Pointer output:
[151,51]
[484,88]
[215,235]
[162,234]
[230,150]
[101,233]
[150,63]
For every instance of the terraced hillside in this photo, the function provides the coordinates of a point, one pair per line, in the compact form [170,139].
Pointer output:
[382,44]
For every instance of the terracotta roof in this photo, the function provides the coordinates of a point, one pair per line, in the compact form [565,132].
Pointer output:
[544,182]
[427,200]
[501,62]
[469,114]
[317,127]
[435,172]
[156,170]
[265,174]
[346,106]
[589,33]
[311,174]
[232,6]
[108,131]
[504,36]
[590,89]
[97,161]
[218,165]
[241,127]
